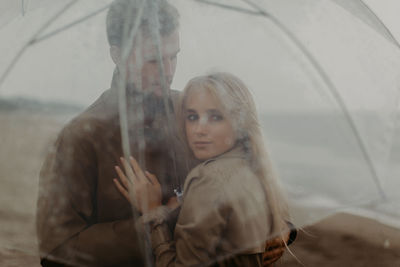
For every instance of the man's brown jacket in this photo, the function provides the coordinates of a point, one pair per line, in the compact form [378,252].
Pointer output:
[82,219]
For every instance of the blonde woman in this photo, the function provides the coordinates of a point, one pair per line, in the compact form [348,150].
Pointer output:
[231,203]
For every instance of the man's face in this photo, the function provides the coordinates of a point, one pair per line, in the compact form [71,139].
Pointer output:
[143,63]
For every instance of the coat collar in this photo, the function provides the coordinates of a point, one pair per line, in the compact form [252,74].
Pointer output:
[236,152]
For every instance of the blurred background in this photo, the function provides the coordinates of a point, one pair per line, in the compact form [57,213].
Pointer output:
[317,69]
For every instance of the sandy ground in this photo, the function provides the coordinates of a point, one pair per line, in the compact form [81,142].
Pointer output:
[24,139]
[345,240]
[342,240]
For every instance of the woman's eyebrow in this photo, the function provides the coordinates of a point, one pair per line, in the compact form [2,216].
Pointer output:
[213,111]
[190,110]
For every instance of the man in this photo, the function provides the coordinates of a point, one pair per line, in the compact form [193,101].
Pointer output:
[82,219]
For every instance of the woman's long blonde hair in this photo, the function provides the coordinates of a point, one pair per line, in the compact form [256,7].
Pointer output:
[239,108]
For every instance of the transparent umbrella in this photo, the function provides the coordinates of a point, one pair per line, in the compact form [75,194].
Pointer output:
[324,75]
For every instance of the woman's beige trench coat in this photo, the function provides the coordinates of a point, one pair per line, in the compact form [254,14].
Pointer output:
[224,218]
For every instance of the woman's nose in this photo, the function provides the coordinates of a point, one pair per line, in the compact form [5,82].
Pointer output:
[202,126]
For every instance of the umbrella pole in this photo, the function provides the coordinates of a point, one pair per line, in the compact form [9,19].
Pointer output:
[23,7]
[166,95]
[145,248]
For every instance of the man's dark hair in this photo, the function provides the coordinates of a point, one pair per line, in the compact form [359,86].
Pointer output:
[123,13]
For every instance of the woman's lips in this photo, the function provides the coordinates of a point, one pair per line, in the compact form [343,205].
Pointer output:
[201,144]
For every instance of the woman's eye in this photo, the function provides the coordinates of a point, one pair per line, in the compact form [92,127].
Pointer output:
[217,117]
[192,117]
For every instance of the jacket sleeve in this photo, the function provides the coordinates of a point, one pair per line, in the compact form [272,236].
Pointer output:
[66,213]
[198,231]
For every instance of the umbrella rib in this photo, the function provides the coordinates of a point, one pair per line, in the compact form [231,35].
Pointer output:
[381,22]
[32,40]
[66,27]
[333,90]
[239,9]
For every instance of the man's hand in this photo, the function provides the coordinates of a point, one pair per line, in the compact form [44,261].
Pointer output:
[274,249]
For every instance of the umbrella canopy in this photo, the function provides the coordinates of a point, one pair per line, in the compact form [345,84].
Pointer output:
[324,75]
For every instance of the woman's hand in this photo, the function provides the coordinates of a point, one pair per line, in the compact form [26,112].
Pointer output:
[141,189]
[274,249]
[173,203]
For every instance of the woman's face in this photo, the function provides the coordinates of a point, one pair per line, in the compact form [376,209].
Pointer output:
[209,133]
